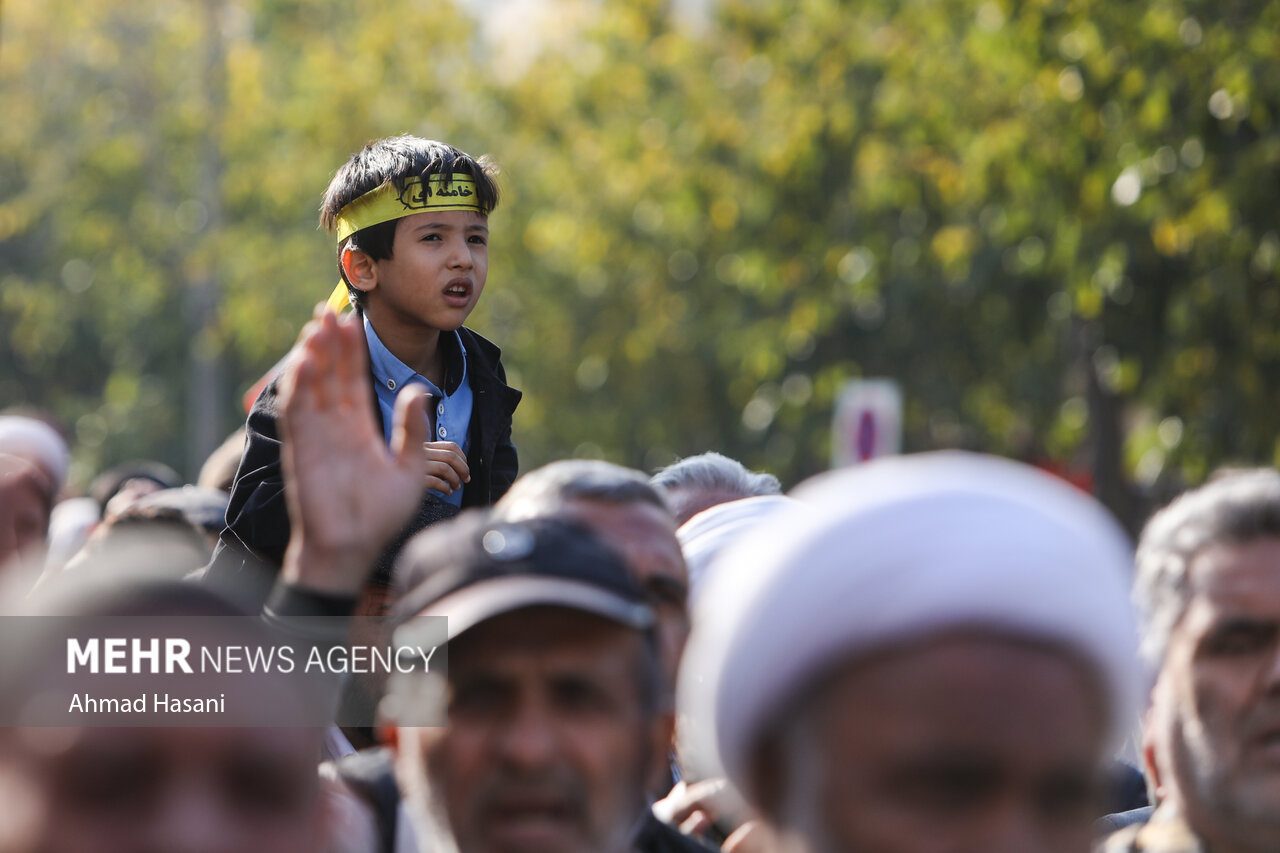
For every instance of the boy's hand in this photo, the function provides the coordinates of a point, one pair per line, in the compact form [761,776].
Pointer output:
[348,495]
[446,466]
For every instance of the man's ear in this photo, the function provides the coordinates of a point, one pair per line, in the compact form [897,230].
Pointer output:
[1150,764]
[662,735]
[389,736]
[386,726]
[361,270]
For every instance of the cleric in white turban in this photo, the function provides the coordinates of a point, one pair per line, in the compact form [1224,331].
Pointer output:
[931,652]
[37,442]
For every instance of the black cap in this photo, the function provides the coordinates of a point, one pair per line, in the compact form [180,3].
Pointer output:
[202,508]
[471,569]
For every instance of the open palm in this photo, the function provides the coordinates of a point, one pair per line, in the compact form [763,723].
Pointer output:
[348,494]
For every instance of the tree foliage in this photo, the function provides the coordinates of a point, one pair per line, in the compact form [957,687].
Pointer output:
[1051,221]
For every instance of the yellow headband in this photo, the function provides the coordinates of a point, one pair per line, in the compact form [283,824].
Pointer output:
[384,203]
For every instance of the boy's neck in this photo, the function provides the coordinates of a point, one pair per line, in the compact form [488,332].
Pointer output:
[417,348]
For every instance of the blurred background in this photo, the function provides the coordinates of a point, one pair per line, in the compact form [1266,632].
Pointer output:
[1052,223]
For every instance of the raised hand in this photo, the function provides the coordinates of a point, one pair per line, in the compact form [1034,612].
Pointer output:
[348,494]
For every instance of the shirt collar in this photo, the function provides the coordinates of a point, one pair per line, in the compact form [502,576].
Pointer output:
[388,369]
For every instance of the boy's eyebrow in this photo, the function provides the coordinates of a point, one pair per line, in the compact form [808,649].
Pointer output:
[428,225]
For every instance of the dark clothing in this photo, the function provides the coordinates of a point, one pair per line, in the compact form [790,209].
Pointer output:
[656,837]
[252,546]
[369,775]
[1126,787]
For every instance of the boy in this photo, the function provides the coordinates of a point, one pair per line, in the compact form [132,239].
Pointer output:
[411,220]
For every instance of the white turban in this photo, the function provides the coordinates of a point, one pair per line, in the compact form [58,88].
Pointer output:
[716,528]
[893,550]
[37,442]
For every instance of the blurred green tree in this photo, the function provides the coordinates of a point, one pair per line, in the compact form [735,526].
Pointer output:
[1050,221]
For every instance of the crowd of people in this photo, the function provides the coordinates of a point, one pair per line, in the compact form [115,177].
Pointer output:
[934,652]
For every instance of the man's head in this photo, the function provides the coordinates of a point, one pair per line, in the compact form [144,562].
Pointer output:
[26,503]
[716,529]
[627,513]
[413,198]
[159,790]
[155,536]
[33,465]
[928,649]
[146,789]
[1209,586]
[34,438]
[553,697]
[709,479]
[117,488]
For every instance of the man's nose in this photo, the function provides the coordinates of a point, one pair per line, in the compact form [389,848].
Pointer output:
[529,738]
[1014,827]
[191,820]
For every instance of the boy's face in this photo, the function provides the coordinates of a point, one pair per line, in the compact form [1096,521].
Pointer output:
[436,271]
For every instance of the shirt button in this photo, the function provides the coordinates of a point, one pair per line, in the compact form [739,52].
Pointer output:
[442,432]
[440,409]
[391,383]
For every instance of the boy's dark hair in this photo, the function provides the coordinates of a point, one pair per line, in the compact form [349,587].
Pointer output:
[395,160]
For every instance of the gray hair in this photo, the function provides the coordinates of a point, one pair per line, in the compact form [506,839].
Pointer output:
[1236,508]
[575,479]
[713,472]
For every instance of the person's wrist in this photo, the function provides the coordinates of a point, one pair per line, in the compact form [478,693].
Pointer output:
[334,570]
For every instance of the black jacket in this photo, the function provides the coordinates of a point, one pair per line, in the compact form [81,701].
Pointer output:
[252,545]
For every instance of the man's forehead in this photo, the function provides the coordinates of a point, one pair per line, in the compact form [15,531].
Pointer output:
[643,532]
[964,654]
[541,631]
[688,501]
[1232,575]
[984,690]
[608,516]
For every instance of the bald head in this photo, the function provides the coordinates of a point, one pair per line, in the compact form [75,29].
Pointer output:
[627,513]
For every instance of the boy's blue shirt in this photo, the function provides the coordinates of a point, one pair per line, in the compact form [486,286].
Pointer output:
[252,546]
[452,408]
